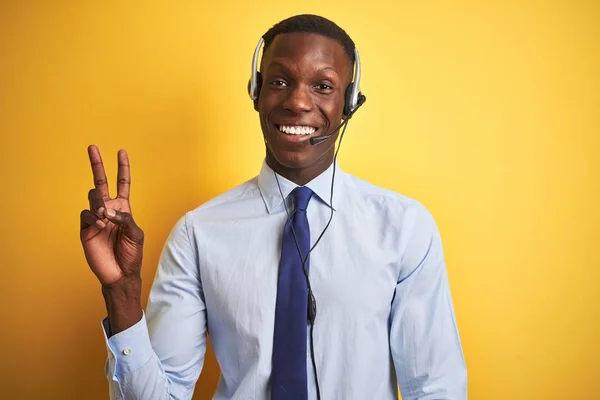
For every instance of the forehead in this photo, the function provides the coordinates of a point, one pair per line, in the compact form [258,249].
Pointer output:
[300,47]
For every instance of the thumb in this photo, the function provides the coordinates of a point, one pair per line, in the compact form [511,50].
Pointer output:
[125,221]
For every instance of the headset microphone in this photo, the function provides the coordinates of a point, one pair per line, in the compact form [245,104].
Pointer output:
[320,139]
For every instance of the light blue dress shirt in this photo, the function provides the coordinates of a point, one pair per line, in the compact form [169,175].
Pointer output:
[385,315]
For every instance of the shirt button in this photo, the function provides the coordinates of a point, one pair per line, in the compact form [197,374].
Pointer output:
[127,352]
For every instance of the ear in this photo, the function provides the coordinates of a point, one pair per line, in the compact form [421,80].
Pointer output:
[258,88]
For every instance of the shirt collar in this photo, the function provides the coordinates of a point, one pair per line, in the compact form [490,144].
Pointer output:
[321,186]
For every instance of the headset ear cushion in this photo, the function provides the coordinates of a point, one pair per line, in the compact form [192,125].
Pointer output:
[347,95]
[258,88]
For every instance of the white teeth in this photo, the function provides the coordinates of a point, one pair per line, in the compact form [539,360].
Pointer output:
[297,130]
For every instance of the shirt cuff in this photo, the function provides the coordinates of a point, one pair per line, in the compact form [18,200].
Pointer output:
[129,349]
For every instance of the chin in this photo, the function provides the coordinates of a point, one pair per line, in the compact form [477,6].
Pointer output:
[296,160]
[291,159]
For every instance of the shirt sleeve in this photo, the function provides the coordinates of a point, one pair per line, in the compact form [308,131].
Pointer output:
[424,338]
[161,356]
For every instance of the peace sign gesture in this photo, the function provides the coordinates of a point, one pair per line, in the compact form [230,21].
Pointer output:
[111,240]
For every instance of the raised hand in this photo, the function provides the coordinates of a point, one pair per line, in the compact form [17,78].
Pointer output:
[111,240]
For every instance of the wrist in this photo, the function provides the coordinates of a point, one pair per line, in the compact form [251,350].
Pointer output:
[123,303]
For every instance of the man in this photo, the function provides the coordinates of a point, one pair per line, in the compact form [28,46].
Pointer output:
[311,283]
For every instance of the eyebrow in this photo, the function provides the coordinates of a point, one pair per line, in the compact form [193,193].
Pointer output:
[285,67]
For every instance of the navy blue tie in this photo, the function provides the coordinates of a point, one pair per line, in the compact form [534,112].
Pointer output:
[288,377]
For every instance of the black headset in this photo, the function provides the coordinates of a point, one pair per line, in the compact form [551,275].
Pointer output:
[353,96]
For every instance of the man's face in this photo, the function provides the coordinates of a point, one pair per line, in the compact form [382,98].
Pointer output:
[305,76]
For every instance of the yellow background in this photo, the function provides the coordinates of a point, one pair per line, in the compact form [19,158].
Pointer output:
[487,112]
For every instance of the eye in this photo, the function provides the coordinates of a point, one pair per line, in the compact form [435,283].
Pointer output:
[324,87]
[278,82]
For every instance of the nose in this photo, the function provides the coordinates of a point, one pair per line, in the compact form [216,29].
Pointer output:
[298,99]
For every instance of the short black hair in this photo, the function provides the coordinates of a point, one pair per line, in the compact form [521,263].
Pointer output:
[310,23]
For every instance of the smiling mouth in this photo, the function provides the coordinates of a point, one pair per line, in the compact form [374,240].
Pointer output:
[297,129]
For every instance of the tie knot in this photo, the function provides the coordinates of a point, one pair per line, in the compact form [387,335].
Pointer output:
[302,196]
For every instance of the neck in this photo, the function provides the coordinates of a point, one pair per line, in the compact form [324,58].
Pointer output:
[301,175]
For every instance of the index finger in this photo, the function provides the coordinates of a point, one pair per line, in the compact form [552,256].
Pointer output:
[123,176]
[100,181]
